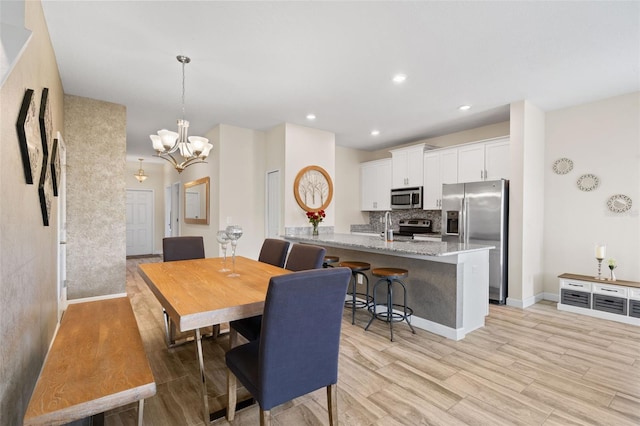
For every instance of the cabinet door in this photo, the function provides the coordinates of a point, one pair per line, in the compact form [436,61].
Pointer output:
[496,159]
[449,166]
[399,169]
[432,184]
[471,163]
[383,186]
[415,166]
[375,185]
[367,186]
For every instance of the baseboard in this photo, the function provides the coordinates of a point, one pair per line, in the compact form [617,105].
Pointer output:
[553,297]
[529,301]
[96,298]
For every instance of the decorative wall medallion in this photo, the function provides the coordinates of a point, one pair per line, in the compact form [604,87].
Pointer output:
[55,167]
[619,203]
[46,122]
[588,182]
[563,166]
[313,188]
[29,137]
[45,192]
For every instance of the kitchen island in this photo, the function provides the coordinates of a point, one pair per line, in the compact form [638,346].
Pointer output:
[448,283]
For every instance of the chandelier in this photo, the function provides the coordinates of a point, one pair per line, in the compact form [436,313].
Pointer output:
[140,175]
[192,149]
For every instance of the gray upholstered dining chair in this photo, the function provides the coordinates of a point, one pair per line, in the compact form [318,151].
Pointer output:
[302,257]
[305,256]
[174,249]
[274,252]
[297,352]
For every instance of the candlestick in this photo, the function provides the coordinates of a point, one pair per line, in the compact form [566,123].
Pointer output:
[601,251]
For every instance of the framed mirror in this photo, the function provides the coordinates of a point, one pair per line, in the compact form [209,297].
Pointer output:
[196,201]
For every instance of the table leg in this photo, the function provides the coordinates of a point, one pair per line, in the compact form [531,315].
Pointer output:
[203,389]
[140,412]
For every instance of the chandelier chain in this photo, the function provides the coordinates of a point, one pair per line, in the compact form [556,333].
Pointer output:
[183,79]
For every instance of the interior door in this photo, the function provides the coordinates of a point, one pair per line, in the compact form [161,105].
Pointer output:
[273,204]
[139,222]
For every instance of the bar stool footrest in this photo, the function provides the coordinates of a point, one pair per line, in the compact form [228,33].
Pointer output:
[395,316]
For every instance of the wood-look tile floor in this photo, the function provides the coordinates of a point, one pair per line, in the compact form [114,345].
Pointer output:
[536,366]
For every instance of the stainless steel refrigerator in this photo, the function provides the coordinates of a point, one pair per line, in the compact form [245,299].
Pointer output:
[478,212]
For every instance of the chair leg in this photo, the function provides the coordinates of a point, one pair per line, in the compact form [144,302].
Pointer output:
[265,417]
[231,395]
[332,404]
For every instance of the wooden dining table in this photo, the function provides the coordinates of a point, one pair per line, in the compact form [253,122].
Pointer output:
[196,294]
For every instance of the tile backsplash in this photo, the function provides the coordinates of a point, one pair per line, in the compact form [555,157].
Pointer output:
[376,219]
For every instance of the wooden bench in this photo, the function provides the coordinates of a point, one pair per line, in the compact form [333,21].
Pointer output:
[97,362]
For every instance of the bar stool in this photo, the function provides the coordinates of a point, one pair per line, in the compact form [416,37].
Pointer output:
[357,268]
[390,276]
[328,260]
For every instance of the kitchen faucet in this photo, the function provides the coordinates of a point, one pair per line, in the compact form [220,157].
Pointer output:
[388,231]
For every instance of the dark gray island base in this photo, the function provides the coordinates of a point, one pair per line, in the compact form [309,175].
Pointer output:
[447,286]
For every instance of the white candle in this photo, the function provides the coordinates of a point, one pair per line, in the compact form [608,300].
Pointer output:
[600,251]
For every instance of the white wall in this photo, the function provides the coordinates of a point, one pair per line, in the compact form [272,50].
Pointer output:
[347,189]
[602,138]
[526,204]
[305,146]
[242,173]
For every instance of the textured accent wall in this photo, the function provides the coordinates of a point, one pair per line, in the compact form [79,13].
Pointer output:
[95,133]
[28,257]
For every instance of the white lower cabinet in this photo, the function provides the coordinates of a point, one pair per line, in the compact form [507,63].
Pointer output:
[612,300]
[375,185]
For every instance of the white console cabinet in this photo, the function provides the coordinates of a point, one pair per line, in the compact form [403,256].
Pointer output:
[612,300]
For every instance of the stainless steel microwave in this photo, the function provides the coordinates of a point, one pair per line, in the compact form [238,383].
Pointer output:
[406,198]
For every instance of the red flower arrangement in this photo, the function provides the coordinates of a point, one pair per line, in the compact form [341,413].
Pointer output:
[316,217]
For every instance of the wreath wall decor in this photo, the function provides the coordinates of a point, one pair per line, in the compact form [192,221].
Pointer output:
[313,189]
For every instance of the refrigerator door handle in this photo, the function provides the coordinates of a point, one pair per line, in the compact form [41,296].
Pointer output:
[464,234]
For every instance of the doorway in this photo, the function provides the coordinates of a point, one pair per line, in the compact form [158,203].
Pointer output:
[139,222]
[273,204]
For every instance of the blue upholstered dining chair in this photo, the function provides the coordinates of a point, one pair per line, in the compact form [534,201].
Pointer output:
[297,352]
[180,248]
[302,257]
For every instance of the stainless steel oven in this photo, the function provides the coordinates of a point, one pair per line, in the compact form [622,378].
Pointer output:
[406,198]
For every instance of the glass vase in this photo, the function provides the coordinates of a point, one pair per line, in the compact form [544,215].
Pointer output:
[315,232]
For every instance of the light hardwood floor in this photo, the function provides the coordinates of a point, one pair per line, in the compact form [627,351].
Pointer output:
[536,366]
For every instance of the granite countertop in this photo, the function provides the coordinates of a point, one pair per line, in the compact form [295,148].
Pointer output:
[397,248]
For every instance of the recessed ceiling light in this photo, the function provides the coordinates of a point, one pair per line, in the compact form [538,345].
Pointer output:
[464,107]
[399,78]
[311,116]
[375,132]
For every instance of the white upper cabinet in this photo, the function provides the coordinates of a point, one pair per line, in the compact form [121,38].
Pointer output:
[484,161]
[496,159]
[375,185]
[439,167]
[407,166]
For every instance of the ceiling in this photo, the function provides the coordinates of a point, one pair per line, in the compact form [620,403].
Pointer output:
[260,64]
